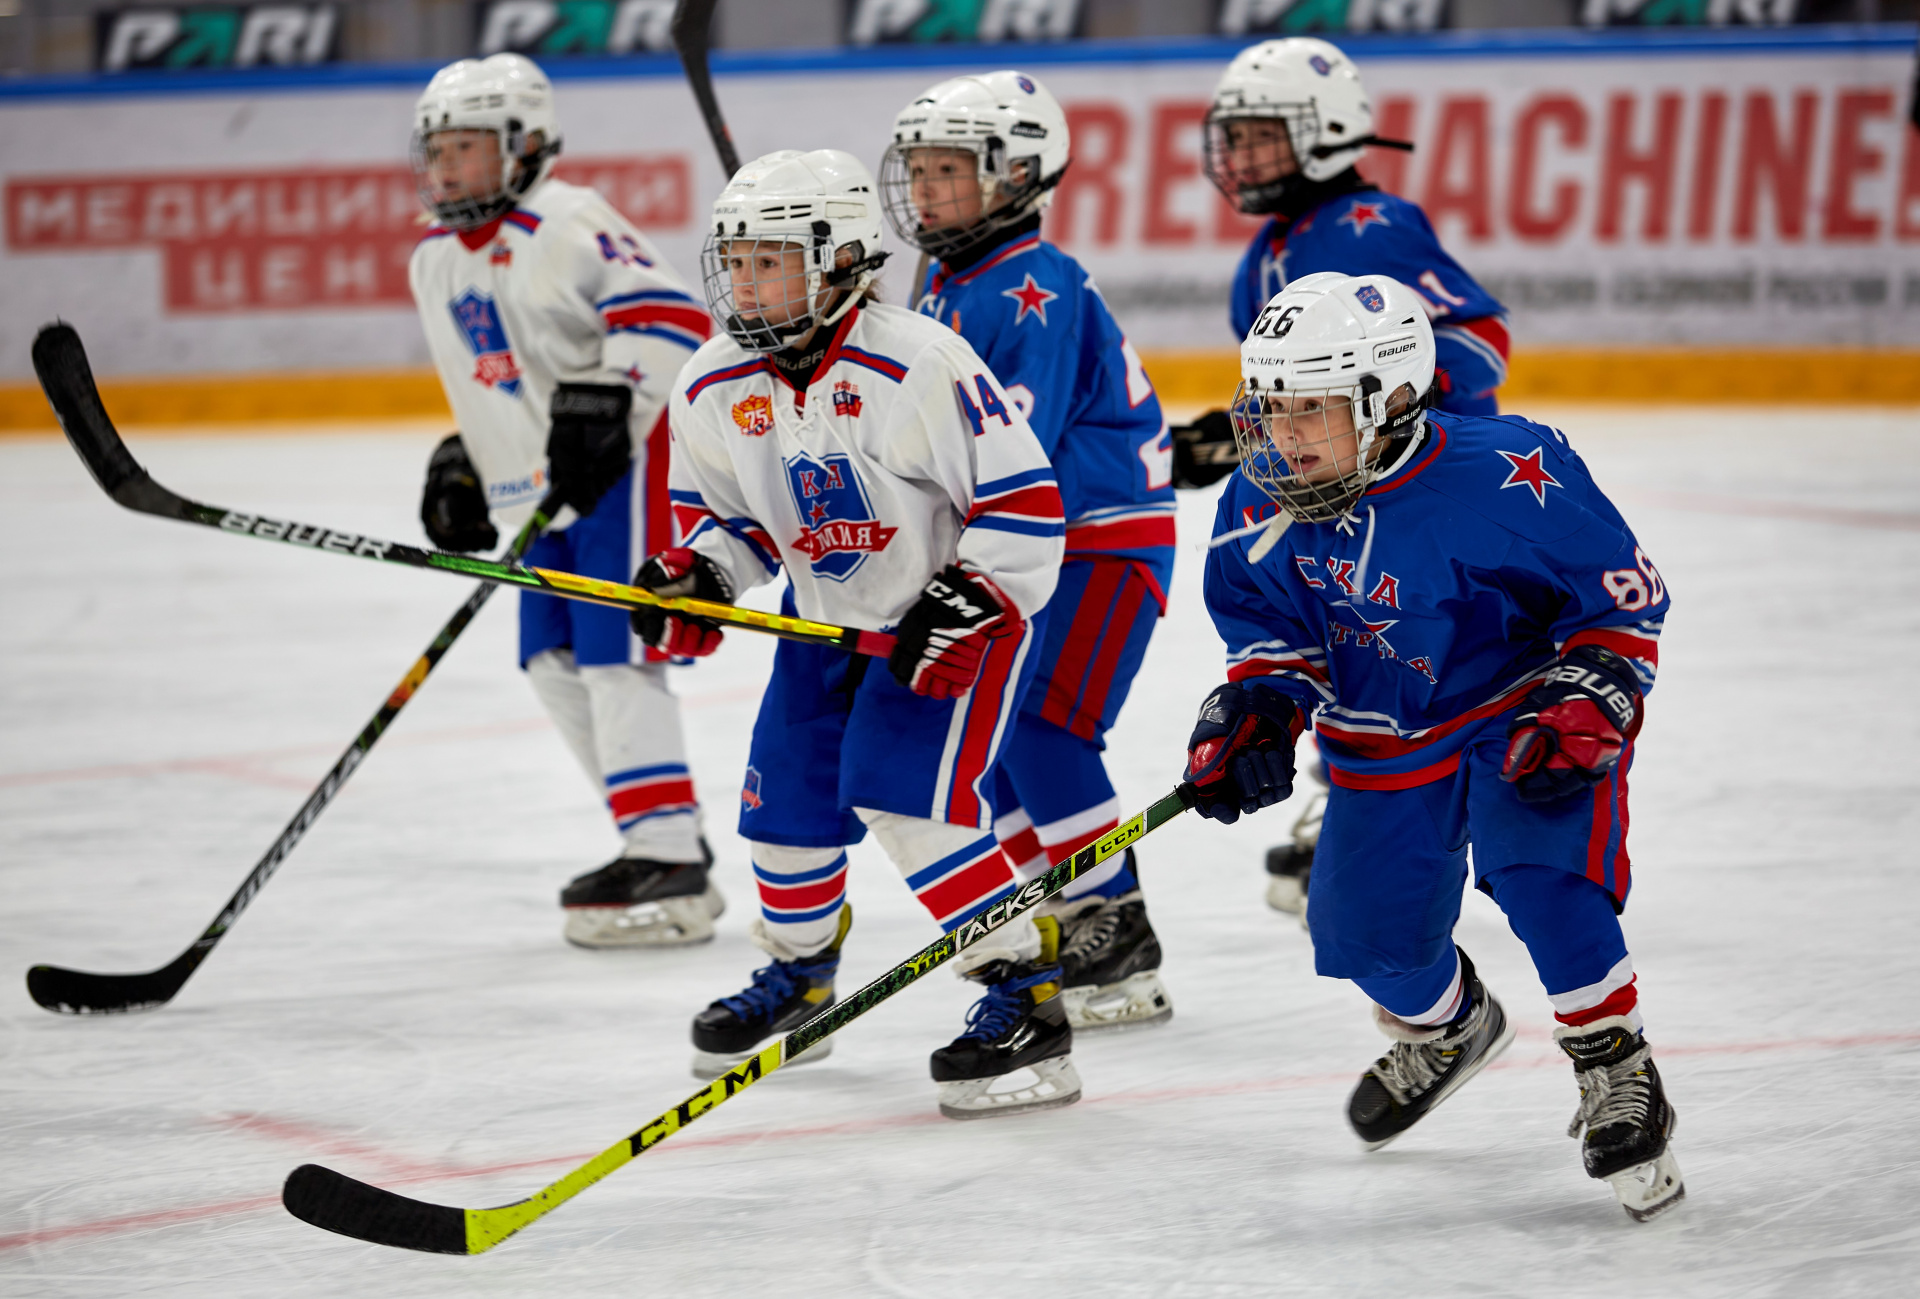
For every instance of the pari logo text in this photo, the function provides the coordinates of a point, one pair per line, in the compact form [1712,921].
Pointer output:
[838,527]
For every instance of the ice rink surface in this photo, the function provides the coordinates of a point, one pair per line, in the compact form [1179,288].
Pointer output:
[398,1003]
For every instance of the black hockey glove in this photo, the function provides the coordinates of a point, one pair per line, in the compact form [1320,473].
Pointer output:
[681,572]
[589,448]
[453,506]
[1240,758]
[1571,729]
[942,641]
[1204,451]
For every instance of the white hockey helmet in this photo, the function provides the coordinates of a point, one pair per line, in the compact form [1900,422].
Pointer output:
[817,205]
[1017,133]
[1305,83]
[1335,379]
[506,94]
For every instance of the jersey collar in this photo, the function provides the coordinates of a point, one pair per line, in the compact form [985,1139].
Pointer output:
[1416,463]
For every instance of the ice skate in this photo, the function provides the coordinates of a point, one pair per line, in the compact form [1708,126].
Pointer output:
[1625,1113]
[1425,1066]
[1290,865]
[783,995]
[638,902]
[1110,962]
[1015,1053]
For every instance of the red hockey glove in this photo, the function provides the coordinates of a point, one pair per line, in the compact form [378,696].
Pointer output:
[943,639]
[1570,730]
[681,572]
[1240,757]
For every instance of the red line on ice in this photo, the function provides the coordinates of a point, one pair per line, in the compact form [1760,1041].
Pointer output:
[429,1173]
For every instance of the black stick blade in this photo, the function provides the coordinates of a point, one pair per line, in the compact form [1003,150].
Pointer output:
[75,992]
[337,1203]
[60,361]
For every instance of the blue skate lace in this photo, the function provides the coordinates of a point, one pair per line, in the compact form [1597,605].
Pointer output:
[1003,1005]
[773,985]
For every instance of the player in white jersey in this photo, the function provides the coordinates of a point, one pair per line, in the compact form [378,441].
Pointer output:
[557,330]
[870,453]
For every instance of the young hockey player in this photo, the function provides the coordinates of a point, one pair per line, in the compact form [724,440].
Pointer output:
[557,330]
[1288,124]
[871,454]
[973,163]
[1472,629]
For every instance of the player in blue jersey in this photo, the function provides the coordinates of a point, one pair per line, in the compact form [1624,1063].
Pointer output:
[1471,628]
[973,163]
[1287,126]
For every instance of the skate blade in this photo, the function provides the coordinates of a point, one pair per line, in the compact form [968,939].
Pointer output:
[670,922]
[708,1065]
[1454,1084]
[1648,1190]
[1046,1085]
[1285,894]
[1137,1001]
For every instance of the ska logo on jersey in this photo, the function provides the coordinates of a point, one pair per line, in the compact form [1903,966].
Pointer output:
[846,399]
[838,529]
[479,320]
[754,416]
[750,792]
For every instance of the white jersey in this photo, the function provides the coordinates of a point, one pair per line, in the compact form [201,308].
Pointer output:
[560,290]
[903,455]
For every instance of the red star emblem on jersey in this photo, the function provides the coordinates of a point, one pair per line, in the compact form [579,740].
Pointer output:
[1032,298]
[1529,472]
[816,512]
[1362,215]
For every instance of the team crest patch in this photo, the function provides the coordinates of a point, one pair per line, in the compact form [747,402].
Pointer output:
[1319,64]
[479,320]
[754,416]
[838,529]
[750,792]
[500,255]
[1370,298]
[846,399]
[1025,83]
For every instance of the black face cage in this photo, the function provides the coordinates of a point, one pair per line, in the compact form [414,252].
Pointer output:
[1274,441]
[771,325]
[991,163]
[521,160]
[1262,197]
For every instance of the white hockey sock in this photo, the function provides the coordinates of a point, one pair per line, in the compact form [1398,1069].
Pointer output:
[556,681]
[642,757]
[801,893]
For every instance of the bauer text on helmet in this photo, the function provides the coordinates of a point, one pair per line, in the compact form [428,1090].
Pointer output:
[971,157]
[793,244]
[1336,376]
[1286,113]
[485,133]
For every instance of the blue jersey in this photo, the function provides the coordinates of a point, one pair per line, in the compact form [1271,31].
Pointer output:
[1371,232]
[1033,315]
[1453,586]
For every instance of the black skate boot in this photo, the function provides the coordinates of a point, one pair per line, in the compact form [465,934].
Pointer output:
[637,902]
[783,996]
[1019,1028]
[1625,1113]
[1290,865]
[1426,1066]
[1109,963]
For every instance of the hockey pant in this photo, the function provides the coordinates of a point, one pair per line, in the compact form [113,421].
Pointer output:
[1052,796]
[1391,867]
[622,724]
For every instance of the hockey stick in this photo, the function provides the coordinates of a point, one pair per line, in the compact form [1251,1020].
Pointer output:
[338,1203]
[80,993]
[61,362]
[692,27]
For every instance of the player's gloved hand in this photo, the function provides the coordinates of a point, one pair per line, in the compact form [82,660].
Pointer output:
[681,572]
[1570,730]
[589,447]
[1240,757]
[1204,451]
[453,506]
[943,639]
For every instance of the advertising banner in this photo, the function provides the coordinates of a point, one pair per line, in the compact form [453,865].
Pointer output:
[1764,194]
